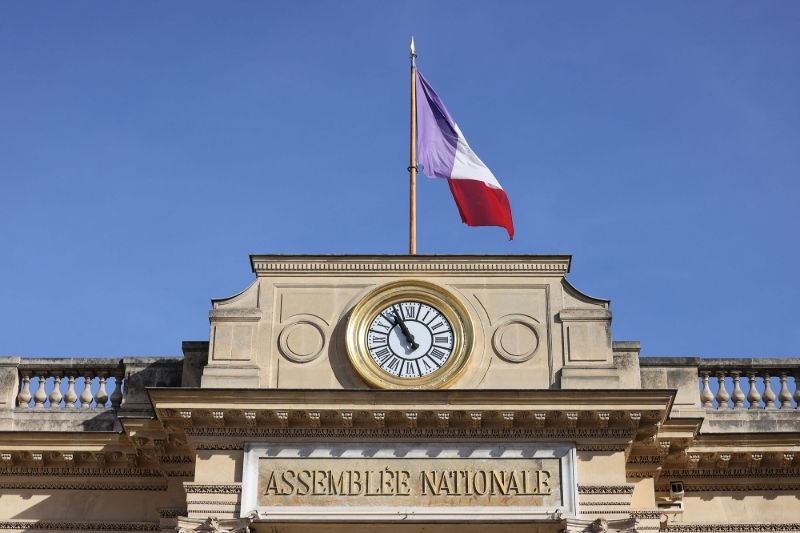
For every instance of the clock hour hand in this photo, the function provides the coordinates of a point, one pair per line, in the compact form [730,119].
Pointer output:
[404,329]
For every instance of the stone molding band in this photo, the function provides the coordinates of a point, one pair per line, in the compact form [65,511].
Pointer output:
[729,528]
[732,488]
[416,266]
[79,486]
[213,489]
[81,472]
[34,525]
[605,489]
[426,433]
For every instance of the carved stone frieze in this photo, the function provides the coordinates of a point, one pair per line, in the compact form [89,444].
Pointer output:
[81,486]
[750,486]
[25,525]
[733,473]
[419,433]
[572,420]
[605,489]
[213,489]
[723,460]
[380,419]
[220,446]
[475,419]
[602,447]
[730,528]
[213,525]
[81,471]
[694,460]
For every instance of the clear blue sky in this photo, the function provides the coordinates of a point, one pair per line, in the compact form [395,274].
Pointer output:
[146,148]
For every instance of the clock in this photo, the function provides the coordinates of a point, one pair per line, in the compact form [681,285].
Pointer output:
[409,335]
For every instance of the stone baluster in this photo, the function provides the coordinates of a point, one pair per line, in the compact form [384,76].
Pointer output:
[738,394]
[86,396]
[722,394]
[784,396]
[797,390]
[706,396]
[116,396]
[102,396]
[769,394]
[24,396]
[55,394]
[70,397]
[752,395]
[40,397]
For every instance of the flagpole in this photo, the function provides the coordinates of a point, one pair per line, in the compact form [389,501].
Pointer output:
[412,168]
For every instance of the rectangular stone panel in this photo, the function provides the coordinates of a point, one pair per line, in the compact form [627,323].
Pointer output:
[390,480]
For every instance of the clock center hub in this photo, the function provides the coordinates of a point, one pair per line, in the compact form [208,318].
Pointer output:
[402,348]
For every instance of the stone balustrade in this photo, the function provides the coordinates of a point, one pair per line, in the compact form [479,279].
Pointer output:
[59,383]
[745,383]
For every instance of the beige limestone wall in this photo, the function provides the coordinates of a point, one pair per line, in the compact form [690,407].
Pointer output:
[88,505]
[741,507]
[218,466]
[601,468]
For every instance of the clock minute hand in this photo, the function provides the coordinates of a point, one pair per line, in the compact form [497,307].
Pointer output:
[404,329]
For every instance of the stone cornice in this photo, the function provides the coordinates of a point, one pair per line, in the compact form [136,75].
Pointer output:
[59,440]
[654,401]
[483,265]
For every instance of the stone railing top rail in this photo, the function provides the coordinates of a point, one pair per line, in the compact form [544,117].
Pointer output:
[100,363]
[724,363]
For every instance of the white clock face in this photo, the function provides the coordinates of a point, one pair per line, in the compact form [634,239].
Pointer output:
[410,340]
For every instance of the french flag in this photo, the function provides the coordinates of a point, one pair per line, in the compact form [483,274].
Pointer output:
[444,153]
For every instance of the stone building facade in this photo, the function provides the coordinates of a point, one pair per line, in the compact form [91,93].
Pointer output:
[322,403]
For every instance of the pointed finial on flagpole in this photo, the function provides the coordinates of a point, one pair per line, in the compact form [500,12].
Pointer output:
[413,54]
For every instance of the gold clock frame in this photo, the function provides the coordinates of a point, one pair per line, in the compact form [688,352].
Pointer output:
[399,291]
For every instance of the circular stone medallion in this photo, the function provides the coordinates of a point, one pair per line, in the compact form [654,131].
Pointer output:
[302,341]
[516,340]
